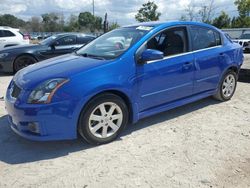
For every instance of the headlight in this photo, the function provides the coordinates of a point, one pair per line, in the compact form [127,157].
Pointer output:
[3,55]
[45,91]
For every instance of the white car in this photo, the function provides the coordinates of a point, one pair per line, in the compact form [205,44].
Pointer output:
[11,37]
[244,41]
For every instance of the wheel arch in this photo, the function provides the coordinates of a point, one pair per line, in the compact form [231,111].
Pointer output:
[118,93]
[234,68]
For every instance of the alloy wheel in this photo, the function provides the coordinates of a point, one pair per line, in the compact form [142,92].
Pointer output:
[105,120]
[228,85]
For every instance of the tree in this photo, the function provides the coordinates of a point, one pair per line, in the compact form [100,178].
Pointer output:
[222,21]
[190,13]
[206,12]
[113,25]
[243,7]
[86,19]
[11,21]
[72,24]
[50,22]
[148,12]
[35,24]
[98,22]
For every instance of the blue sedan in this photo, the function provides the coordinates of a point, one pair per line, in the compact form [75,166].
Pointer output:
[121,77]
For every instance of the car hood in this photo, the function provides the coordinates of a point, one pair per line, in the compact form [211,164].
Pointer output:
[20,47]
[64,66]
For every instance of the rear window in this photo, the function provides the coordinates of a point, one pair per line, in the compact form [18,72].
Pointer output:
[203,38]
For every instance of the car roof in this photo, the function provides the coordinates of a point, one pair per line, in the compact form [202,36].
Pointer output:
[170,23]
[8,28]
[72,33]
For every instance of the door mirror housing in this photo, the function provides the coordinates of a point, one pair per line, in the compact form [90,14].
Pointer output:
[150,55]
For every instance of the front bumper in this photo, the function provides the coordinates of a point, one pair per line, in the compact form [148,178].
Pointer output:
[53,121]
[6,65]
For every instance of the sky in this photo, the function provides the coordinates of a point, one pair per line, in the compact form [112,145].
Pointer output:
[120,11]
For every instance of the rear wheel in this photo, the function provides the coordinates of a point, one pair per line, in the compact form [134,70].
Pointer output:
[227,86]
[23,61]
[103,119]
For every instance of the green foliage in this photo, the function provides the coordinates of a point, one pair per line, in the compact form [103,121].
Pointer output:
[98,22]
[222,21]
[243,7]
[11,21]
[243,20]
[113,26]
[87,21]
[148,12]
[50,22]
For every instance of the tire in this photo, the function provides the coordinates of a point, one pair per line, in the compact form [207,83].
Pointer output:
[23,61]
[227,86]
[103,119]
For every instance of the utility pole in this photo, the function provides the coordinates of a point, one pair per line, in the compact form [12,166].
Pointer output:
[93,3]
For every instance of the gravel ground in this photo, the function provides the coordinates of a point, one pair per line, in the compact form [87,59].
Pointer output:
[203,144]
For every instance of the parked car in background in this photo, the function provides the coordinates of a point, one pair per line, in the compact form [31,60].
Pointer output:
[13,59]
[244,41]
[11,37]
[122,76]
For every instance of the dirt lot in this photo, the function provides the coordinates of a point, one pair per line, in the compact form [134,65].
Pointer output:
[203,144]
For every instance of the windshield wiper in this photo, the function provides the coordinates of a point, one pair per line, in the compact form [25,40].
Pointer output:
[92,56]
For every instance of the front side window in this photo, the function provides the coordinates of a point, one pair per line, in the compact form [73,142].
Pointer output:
[203,38]
[245,36]
[114,43]
[69,40]
[170,42]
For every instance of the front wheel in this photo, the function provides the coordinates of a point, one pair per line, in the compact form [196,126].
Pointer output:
[23,61]
[103,119]
[227,86]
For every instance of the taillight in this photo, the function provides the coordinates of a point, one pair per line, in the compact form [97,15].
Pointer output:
[26,37]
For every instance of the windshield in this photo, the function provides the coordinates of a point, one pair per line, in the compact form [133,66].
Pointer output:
[245,36]
[47,41]
[114,43]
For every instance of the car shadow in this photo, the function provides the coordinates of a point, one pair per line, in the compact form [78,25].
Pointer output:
[17,150]
[2,74]
[244,75]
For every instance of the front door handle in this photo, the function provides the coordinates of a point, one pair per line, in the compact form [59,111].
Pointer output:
[187,65]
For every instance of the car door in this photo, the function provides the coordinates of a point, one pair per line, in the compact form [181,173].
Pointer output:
[8,38]
[63,45]
[208,53]
[171,78]
[83,40]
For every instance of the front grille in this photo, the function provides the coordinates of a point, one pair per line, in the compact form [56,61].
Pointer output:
[15,90]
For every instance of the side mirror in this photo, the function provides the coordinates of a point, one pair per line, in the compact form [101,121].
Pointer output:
[150,55]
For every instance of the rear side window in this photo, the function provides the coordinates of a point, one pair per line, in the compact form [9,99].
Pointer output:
[1,33]
[203,38]
[7,33]
[84,40]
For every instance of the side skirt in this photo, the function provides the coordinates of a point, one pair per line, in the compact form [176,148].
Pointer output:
[174,104]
